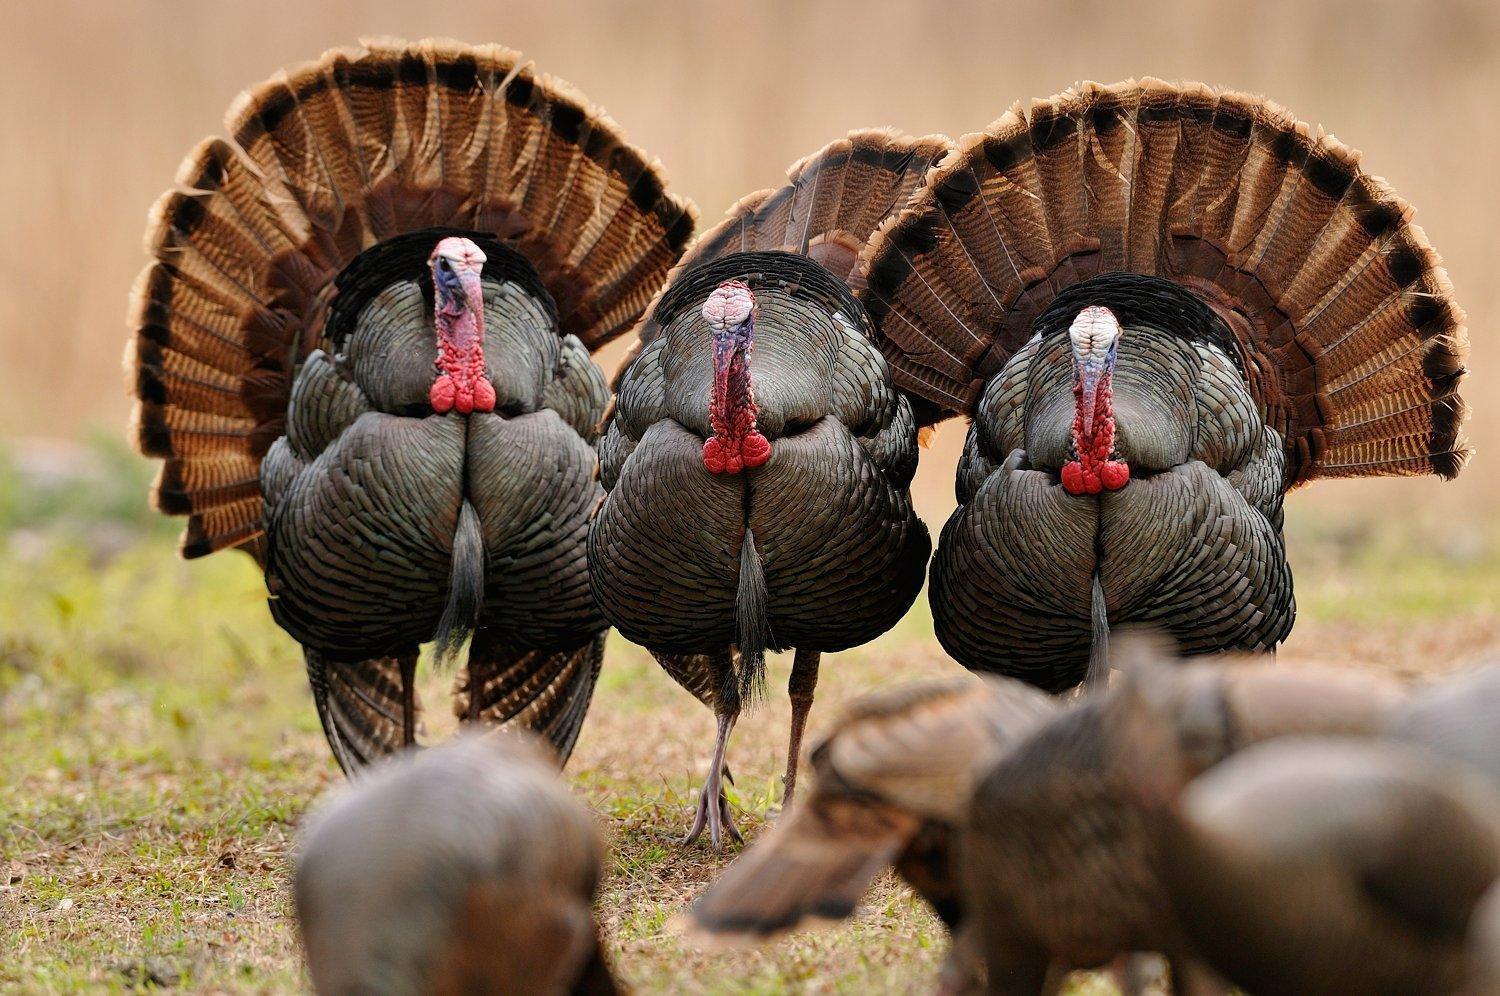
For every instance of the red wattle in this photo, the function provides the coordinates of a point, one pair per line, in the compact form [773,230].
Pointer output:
[736,443]
[461,384]
[1075,480]
[755,449]
[719,457]
[443,394]
[726,455]
[1115,474]
[1093,471]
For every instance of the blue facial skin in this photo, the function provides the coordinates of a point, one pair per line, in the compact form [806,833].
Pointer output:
[447,284]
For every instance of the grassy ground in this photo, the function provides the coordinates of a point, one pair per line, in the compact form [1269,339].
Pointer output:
[158,746]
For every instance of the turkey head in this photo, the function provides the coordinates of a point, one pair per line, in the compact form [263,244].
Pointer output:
[736,444]
[458,317]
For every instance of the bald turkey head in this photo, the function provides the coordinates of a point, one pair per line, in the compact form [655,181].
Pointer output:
[458,317]
[736,444]
[1094,339]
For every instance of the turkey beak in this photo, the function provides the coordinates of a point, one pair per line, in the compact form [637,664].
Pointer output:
[730,313]
[456,285]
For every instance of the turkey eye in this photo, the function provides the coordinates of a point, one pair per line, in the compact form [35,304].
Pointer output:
[443,263]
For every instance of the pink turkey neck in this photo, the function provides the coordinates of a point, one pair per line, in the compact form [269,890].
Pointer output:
[736,443]
[458,318]
[1093,335]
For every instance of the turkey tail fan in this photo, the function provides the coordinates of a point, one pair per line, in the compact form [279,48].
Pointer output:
[834,200]
[547,693]
[1344,317]
[325,161]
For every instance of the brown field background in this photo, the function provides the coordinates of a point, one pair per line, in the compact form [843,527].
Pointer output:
[103,99]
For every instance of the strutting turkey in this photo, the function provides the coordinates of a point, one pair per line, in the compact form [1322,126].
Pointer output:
[467,868]
[761,501]
[1163,306]
[362,351]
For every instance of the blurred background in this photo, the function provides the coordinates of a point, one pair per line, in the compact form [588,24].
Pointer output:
[157,740]
[103,100]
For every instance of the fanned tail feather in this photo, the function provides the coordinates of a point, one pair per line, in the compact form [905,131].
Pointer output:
[326,160]
[361,706]
[832,204]
[1353,344]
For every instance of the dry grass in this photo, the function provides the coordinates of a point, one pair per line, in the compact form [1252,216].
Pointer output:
[159,747]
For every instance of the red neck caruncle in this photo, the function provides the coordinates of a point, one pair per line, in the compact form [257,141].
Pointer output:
[736,443]
[1094,335]
[458,318]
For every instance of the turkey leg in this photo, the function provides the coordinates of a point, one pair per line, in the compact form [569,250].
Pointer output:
[800,688]
[713,805]
[409,701]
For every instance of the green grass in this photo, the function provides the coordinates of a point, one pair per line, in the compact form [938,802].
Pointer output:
[158,747]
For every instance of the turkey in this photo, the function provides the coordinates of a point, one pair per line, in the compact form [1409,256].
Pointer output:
[761,501]
[362,352]
[1326,866]
[1062,865]
[1457,718]
[467,868]
[895,763]
[1163,306]
[891,784]
[1484,946]
[996,799]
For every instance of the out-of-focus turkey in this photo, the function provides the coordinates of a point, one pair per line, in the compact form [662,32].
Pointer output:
[464,869]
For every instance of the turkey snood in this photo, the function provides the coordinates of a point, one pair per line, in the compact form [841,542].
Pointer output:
[737,444]
[458,316]
[1094,336]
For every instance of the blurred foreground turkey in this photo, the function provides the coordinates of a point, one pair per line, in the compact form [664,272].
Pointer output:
[466,868]
[1327,866]
[1457,717]
[1016,815]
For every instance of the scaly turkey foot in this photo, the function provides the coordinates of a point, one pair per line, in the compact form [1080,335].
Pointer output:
[716,818]
[713,804]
